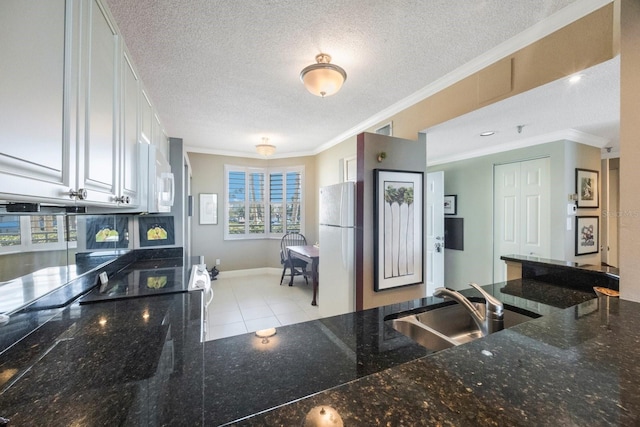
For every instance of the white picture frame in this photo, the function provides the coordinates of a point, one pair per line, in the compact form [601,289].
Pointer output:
[208,209]
[350,171]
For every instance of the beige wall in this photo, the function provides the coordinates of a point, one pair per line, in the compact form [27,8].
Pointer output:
[208,240]
[630,150]
[582,44]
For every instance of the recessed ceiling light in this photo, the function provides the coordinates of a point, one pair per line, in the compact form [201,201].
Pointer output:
[575,78]
[488,133]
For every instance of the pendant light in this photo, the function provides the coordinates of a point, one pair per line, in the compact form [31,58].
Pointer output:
[265,149]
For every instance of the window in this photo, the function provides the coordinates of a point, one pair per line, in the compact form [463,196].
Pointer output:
[33,233]
[10,230]
[71,229]
[263,203]
[44,229]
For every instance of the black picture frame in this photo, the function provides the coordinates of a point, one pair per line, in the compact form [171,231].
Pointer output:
[398,218]
[165,235]
[587,188]
[587,235]
[107,232]
[451,204]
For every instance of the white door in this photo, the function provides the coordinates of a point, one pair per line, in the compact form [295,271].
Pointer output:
[614,206]
[521,212]
[435,231]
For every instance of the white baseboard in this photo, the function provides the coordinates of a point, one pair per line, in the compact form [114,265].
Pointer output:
[251,272]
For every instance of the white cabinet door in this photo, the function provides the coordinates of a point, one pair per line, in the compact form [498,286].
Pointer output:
[146,118]
[98,156]
[130,146]
[35,144]
[160,140]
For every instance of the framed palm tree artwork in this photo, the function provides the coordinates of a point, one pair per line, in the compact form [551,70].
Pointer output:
[398,222]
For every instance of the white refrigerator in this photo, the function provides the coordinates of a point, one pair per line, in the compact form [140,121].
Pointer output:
[336,291]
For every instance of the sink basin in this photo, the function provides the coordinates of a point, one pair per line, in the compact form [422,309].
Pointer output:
[451,325]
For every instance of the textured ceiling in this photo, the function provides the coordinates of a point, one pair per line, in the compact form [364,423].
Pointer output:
[223,74]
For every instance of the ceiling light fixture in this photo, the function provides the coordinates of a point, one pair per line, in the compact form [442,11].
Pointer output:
[265,149]
[488,133]
[265,334]
[323,79]
[575,78]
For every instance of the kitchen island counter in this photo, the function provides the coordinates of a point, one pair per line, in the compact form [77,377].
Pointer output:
[141,362]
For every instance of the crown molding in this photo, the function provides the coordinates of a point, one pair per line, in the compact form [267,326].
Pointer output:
[558,20]
[244,154]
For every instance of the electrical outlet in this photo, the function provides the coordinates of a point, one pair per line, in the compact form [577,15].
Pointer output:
[217,261]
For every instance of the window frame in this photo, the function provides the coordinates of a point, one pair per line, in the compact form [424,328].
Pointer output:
[266,202]
[26,243]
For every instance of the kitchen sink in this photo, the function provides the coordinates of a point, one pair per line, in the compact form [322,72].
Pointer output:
[451,325]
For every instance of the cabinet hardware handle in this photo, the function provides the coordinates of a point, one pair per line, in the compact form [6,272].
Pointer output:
[80,193]
[123,199]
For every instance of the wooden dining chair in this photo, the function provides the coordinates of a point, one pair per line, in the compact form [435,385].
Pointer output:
[297,267]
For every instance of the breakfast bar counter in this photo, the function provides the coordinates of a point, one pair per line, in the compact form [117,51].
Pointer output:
[140,361]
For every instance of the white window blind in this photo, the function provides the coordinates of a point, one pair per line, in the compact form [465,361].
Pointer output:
[263,203]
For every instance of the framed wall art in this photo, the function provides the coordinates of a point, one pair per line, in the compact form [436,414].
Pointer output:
[398,236]
[587,188]
[156,230]
[587,237]
[208,208]
[450,205]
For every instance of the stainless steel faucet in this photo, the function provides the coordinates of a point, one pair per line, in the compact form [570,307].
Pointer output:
[493,318]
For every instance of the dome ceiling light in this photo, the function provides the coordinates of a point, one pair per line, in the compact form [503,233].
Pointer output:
[323,79]
[265,149]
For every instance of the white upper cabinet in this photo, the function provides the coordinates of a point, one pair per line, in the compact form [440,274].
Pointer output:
[72,109]
[160,139]
[130,162]
[146,118]
[36,97]
[98,148]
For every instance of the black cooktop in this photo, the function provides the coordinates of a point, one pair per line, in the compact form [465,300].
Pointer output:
[141,279]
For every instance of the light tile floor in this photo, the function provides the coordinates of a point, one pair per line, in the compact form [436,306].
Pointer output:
[249,303]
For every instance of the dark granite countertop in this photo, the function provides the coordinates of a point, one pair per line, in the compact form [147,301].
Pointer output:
[592,268]
[141,362]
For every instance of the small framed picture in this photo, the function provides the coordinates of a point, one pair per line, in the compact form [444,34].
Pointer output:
[587,241]
[208,208]
[587,188]
[450,205]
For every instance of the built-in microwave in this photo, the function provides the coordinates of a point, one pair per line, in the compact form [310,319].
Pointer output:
[161,188]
